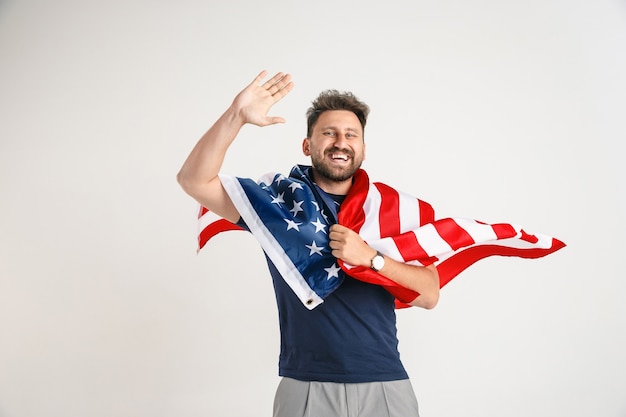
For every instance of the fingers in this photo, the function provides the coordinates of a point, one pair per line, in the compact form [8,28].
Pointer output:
[283,91]
[260,77]
[348,246]
[258,97]
[272,81]
[338,228]
[278,86]
[340,235]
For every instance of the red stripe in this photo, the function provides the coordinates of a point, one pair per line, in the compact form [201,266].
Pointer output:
[453,266]
[411,250]
[504,230]
[351,213]
[529,238]
[427,213]
[218,226]
[203,211]
[389,214]
[453,234]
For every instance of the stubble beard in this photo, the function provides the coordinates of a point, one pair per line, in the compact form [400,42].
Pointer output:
[325,170]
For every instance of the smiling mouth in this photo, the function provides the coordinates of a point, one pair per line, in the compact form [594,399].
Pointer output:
[339,157]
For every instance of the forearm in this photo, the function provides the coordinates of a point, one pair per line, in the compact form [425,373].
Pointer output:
[424,280]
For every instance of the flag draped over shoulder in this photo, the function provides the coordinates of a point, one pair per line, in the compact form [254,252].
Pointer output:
[290,221]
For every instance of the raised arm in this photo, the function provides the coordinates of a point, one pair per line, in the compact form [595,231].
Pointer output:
[199,174]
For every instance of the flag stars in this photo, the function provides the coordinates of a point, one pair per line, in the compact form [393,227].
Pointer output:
[295,186]
[319,226]
[279,178]
[297,207]
[279,199]
[333,271]
[314,249]
[292,225]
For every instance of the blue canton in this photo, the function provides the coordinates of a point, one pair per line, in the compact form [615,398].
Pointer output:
[299,219]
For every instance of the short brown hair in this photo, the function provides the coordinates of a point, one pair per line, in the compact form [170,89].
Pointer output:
[335,100]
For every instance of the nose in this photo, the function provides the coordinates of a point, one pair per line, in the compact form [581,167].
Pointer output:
[341,140]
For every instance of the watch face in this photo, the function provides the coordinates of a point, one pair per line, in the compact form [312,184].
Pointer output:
[378,262]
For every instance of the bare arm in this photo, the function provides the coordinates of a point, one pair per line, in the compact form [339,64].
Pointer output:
[199,174]
[348,246]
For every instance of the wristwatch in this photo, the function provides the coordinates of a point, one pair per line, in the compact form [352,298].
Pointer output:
[378,262]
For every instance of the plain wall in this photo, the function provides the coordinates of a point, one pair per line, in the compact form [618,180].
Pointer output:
[495,110]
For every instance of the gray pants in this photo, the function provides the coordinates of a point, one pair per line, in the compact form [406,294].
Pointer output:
[328,399]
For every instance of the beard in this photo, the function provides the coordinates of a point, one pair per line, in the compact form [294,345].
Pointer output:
[333,173]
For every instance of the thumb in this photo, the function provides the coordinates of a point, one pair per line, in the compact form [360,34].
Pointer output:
[272,120]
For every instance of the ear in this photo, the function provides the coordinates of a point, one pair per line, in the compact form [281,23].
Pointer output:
[364,151]
[306,147]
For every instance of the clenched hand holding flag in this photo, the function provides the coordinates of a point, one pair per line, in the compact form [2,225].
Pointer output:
[289,219]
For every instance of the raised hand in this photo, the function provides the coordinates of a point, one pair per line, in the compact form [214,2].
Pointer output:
[254,102]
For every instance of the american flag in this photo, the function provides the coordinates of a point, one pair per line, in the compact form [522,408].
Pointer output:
[291,223]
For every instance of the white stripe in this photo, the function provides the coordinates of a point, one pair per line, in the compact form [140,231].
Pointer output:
[267,178]
[389,248]
[435,245]
[544,242]
[478,231]
[409,213]
[431,242]
[206,219]
[371,227]
[270,245]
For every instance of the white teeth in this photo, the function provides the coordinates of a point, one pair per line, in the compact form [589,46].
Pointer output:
[339,156]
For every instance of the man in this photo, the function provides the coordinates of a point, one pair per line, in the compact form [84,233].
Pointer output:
[339,358]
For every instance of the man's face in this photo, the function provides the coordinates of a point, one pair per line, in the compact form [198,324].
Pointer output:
[336,145]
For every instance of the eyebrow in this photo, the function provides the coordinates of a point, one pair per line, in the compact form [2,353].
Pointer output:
[351,129]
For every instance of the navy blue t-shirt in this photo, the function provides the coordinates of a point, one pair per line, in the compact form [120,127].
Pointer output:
[351,337]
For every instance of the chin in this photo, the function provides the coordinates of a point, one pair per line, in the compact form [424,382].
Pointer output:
[337,175]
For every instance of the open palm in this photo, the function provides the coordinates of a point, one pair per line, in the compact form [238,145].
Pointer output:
[254,102]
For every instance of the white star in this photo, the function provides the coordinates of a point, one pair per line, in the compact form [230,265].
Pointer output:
[319,226]
[314,248]
[279,199]
[317,207]
[297,207]
[292,225]
[279,179]
[324,216]
[295,186]
[333,271]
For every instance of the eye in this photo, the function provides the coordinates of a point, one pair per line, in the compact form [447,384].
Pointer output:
[329,133]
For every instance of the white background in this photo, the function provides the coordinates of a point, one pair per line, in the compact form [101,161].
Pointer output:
[496,110]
